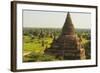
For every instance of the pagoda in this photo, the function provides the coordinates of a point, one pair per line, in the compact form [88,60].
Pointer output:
[68,45]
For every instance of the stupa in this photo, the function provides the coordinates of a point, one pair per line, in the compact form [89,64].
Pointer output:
[68,45]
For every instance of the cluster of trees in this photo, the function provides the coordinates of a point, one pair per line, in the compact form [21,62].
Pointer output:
[86,35]
[41,32]
[87,45]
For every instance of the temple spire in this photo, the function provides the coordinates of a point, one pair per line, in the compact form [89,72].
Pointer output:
[68,28]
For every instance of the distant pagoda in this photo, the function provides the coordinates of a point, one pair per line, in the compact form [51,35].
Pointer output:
[67,46]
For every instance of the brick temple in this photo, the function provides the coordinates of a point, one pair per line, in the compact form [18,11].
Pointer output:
[68,45]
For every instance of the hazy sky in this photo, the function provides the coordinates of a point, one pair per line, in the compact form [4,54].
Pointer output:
[47,19]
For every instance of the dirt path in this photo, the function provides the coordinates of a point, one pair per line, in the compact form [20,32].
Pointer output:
[26,53]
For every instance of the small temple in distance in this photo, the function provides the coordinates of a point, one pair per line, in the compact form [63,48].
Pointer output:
[68,45]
